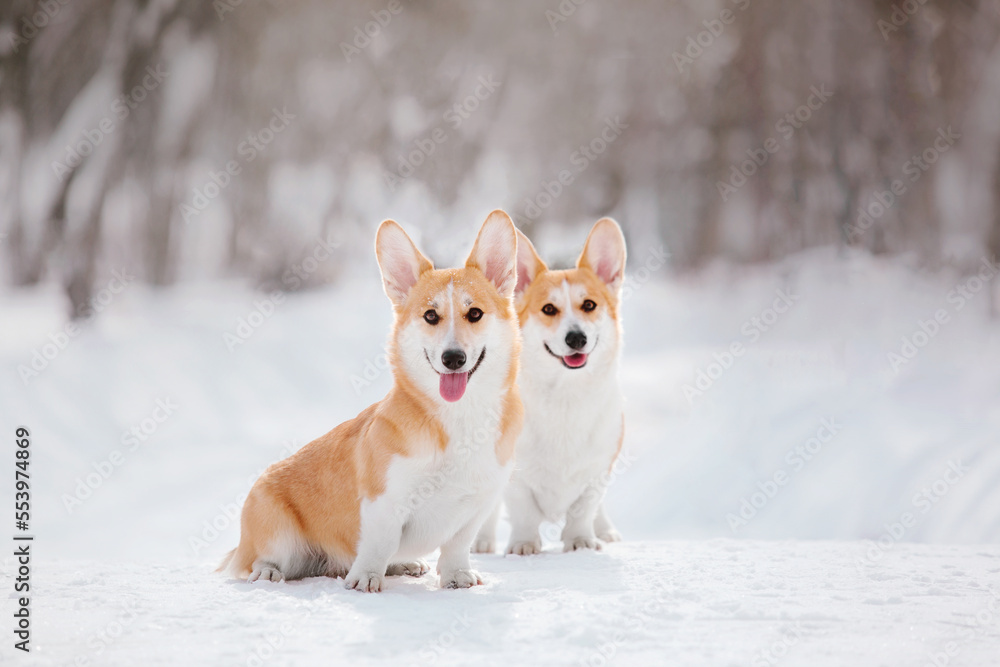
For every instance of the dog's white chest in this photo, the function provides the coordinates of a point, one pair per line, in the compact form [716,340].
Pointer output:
[567,441]
[439,494]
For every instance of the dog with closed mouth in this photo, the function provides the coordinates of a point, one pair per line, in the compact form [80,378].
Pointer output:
[574,422]
[422,468]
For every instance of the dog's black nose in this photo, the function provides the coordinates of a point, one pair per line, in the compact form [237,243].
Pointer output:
[576,339]
[453,359]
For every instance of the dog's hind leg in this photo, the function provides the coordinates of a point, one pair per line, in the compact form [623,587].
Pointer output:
[578,533]
[603,527]
[286,556]
[486,540]
[265,570]
[271,546]
[525,518]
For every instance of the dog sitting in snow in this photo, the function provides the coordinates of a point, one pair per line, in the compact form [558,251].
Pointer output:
[574,423]
[422,468]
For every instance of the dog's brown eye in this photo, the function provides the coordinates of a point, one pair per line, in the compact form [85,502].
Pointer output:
[588,305]
[549,309]
[431,317]
[474,314]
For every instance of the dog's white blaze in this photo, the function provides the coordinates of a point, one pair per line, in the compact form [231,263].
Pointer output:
[451,314]
[570,320]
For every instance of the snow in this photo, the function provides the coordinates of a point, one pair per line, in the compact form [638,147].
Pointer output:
[717,602]
[881,544]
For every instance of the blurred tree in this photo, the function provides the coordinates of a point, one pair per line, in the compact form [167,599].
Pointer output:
[389,117]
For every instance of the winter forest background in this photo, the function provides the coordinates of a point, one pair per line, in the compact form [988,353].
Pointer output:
[98,158]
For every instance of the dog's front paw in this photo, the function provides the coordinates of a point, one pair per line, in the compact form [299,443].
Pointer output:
[582,542]
[525,548]
[610,535]
[366,582]
[484,545]
[417,568]
[461,579]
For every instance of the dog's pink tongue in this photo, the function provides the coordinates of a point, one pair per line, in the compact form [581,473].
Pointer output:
[453,386]
[575,360]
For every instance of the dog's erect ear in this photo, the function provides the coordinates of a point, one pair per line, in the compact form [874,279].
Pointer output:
[495,252]
[529,264]
[604,253]
[399,260]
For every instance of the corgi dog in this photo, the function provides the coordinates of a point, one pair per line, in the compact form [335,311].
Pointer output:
[422,468]
[574,422]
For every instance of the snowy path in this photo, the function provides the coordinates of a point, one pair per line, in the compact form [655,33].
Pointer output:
[718,602]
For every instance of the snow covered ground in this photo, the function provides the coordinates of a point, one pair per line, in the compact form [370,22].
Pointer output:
[150,424]
[715,602]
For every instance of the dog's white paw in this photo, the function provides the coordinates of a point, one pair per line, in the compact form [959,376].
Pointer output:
[366,582]
[461,579]
[484,545]
[582,542]
[265,573]
[610,535]
[417,568]
[524,548]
